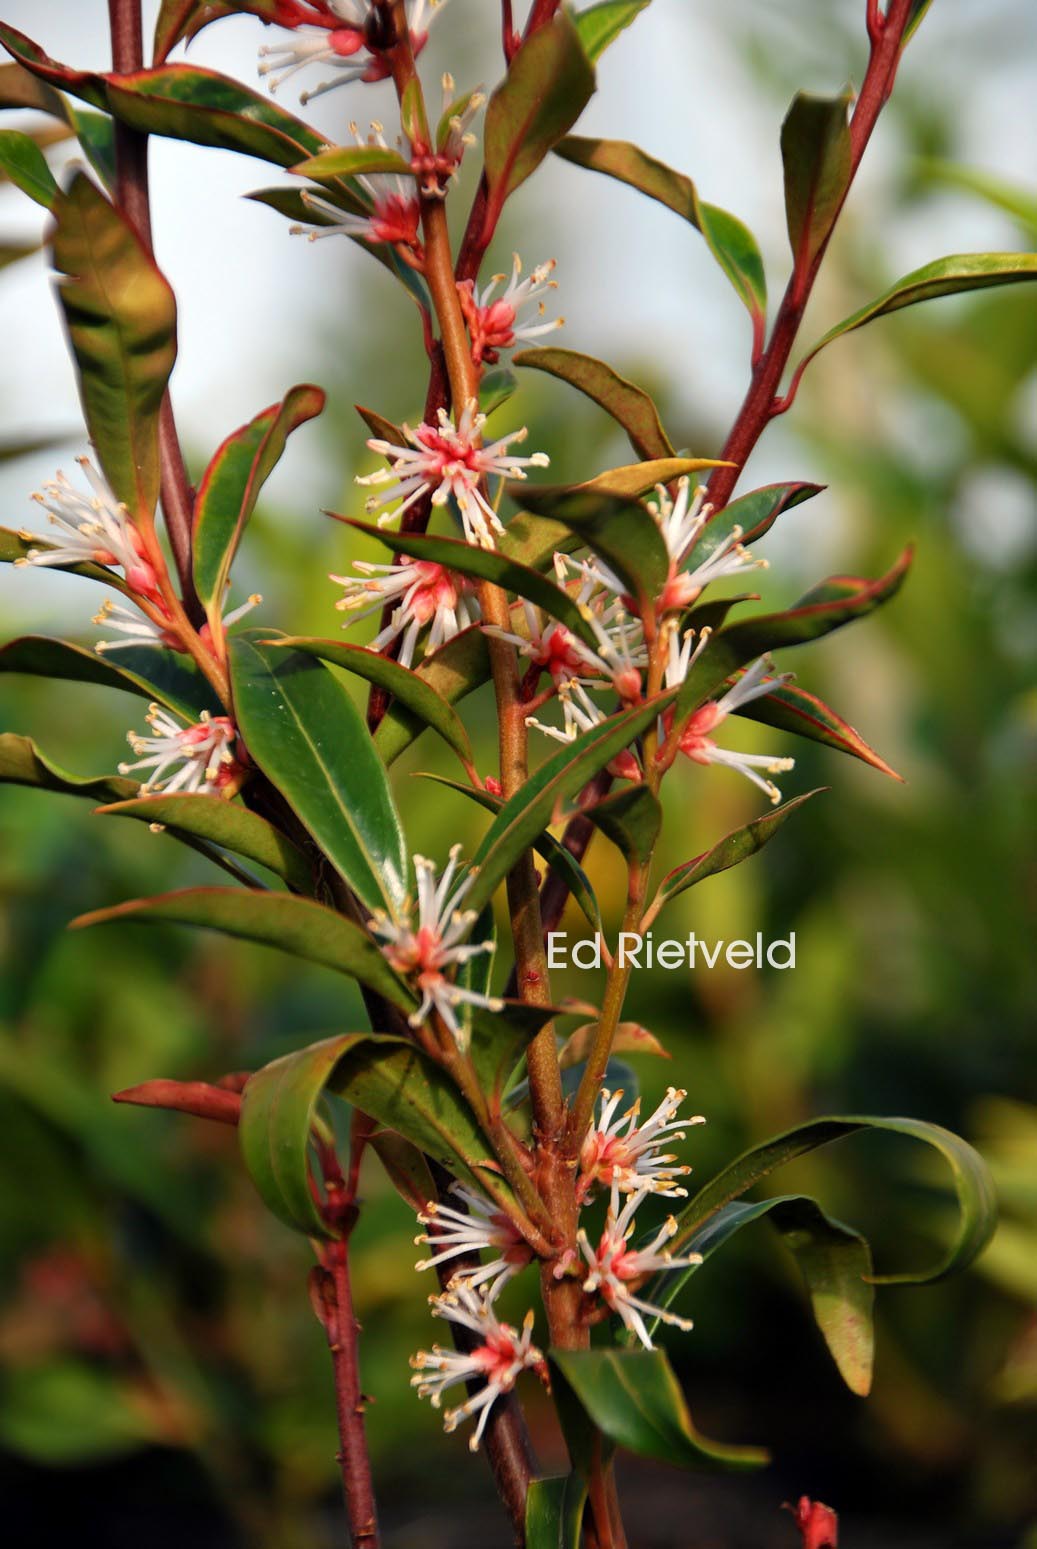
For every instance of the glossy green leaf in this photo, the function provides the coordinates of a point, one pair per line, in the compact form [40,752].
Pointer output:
[835,1262]
[24,163]
[402,683]
[816,154]
[224,823]
[549,82]
[755,513]
[973,1185]
[522,819]
[152,673]
[793,709]
[451,672]
[14,546]
[634,1399]
[731,243]
[851,597]
[294,925]
[732,850]
[553,851]
[351,161]
[631,818]
[629,406]
[486,565]
[22,763]
[310,740]
[121,319]
[496,387]
[623,532]
[554,1507]
[943,277]
[230,488]
[601,24]
[633,479]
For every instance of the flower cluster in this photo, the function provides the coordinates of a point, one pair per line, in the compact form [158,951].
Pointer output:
[92,530]
[196,758]
[395,211]
[339,34]
[420,592]
[493,321]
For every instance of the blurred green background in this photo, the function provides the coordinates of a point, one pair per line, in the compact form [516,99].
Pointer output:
[162,1375]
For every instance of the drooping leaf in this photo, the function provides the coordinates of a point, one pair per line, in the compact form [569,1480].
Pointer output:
[408,687]
[152,673]
[121,319]
[230,488]
[22,763]
[731,242]
[631,818]
[522,819]
[629,406]
[549,82]
[793,709]
[734,848]
[634,1399]
[293,925]
[24,163]
[486,565]
[623,532]
[554,1507]
[837,602]
[943,277]
[815,152]
[601,24]
[835,1262]
[224,823]
[310,740]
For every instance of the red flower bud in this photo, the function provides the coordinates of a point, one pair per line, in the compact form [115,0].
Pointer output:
[818,1524]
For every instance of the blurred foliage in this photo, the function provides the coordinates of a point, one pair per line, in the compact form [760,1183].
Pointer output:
[154,1325]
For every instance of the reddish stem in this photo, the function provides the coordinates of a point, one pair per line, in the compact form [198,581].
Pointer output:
[762,401]
[133,199]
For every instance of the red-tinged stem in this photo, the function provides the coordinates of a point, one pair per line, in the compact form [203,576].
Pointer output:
[133,199]
[543,11]
[343,1329]
[762,401]
[509,36]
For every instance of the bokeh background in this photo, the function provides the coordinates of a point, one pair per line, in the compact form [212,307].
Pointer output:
[162,1376]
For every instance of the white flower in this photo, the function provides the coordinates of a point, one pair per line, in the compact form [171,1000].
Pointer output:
[144,631]
[697,744]
[458,138]
[447,459]
[424,948]
[579,711]
[395,210]
[92,530]
[479,1226]
[631,1159]
[338,38]
[428,593]
[493,321]
[616,1269]
[499,1358]
[548,645]
[682,522]
[203,750]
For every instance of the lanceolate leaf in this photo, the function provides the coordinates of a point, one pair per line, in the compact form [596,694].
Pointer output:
[734,848]
[293,925]
[634,1399]
[554,1507]
[310,740]
[628,405]
[164,675]
[635,479]
[522,819]
[22,763]
[352,160]
[755,513]
[25,164]
[623,532]
[837,602]
[230,488]
[599,25]
[793,709]
[14,546]
[486,565]
[224,823]
[121,319]
[835,1262]
[731,243]
[943,277]
[815,150]
[417,695]
[548,84]
[451,672]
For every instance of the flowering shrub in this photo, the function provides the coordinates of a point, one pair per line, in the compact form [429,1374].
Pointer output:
[590,608]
